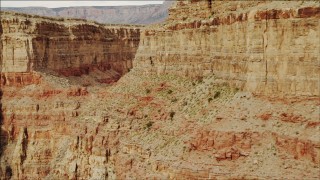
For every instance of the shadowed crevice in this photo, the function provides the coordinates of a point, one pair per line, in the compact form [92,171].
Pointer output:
[3,134]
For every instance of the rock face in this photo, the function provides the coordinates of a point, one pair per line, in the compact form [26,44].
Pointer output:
[262,47]
[147,14]
[68,47]
[65,114]
[138,128]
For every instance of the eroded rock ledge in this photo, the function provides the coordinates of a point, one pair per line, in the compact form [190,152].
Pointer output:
[262,47]
[68,47]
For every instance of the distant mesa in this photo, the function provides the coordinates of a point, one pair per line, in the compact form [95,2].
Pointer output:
[145,14]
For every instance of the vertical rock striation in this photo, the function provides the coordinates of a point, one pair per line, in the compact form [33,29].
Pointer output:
[262,47]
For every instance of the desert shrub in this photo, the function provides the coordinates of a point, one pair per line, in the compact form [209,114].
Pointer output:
[170,91]
[199,79]
[148,91]
[210,99]
[225,84]
[28,22]
[172,113]
[216,95]
[149,124]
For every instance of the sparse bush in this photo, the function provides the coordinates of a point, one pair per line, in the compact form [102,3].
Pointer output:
[148,91]
[149,124]
[27,22]
[216,95]
[199,79]
[225,84]
[210,99]
[174,100]
[170,91]
[172,113]
[185,103]
[243,118]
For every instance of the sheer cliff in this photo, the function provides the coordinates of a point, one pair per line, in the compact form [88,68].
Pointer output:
[221,90]
[264,47]
[68,47]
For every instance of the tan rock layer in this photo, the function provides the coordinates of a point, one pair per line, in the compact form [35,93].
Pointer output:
[259,47]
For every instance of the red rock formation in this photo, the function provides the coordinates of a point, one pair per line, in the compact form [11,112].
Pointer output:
[19,79]
[229,145]
[299,148]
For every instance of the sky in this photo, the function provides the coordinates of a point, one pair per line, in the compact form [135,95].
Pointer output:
[53,4]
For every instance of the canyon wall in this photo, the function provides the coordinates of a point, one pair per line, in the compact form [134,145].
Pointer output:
[33,47]
[263,47]
[68,47]
[163,127]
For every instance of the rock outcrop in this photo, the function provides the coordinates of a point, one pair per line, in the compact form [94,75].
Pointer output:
[68,47]
[266,47]
[138,128]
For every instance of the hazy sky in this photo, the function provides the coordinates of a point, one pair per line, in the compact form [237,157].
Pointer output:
[52,4]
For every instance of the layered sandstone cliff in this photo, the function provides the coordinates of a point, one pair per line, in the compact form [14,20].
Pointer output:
[264,47]
[59,122]
[68,47]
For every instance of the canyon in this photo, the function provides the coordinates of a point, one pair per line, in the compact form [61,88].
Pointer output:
[220,90]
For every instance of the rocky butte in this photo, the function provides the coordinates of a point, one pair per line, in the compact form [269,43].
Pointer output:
[221,90]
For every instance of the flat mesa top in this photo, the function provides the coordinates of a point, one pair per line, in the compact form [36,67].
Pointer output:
[6,15]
